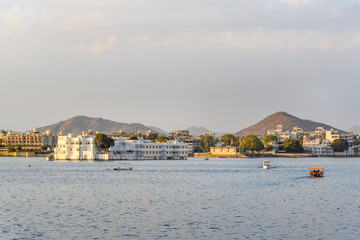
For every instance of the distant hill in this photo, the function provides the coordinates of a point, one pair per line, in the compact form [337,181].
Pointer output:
[76,125]
[158,130]
[195,130]
[355,129]
[281,118]
[3,131]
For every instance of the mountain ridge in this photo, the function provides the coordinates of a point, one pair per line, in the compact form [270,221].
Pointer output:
[158,130]
[196,131]
[281,118]
[75,125]
[355,129]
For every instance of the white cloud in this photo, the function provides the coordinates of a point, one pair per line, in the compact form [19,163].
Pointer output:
[261,40]
[142,39]
[82,21]
[99,46]
[197,42]
[11,21]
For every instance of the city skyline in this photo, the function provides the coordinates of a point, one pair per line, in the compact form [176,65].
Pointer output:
[224,65]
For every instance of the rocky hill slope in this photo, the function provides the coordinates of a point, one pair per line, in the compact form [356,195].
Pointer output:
[281,118]
[76,125]
[158,130]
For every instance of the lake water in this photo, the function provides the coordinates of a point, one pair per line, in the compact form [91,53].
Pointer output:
[193,199]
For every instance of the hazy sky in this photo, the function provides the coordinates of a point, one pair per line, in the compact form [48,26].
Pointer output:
[222,64]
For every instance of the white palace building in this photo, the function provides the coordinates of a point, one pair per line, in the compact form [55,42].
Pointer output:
[85,148]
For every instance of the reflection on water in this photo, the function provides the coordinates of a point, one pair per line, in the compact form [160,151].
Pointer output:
[194,199]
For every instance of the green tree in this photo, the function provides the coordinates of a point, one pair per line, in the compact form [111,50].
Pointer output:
[103,141]
[340,145]
[268,139]
[162,139]
[301,140]
[293,146]
[44,148]
[133,138]
[152,136]
[11,148]
[252,143]
[356,142]
[18,148]
[229,140]
[268,148]
[207,142]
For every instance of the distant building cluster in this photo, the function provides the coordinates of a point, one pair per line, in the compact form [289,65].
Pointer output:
[178,145]
[317,142]
[148,145]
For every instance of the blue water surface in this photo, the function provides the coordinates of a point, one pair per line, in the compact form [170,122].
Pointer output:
[193,199]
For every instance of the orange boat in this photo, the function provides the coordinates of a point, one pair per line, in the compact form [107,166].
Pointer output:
[316,172]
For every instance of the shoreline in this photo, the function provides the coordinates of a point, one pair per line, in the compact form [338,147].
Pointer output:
[275,155]
[195,157]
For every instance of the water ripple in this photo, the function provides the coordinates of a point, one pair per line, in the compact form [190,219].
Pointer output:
[194,199]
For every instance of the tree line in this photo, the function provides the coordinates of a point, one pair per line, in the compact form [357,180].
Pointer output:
[253,144]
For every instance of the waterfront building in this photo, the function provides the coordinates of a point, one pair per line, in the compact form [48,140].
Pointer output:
[318,147]
[34,139]
[332,134]
[193,145]
[84,148]
[147,150]
[223,152]
[353,151]
[226,150]
[79,148]
[49,139]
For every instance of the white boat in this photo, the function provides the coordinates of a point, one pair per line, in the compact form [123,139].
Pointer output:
[123,166]
[266,164]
